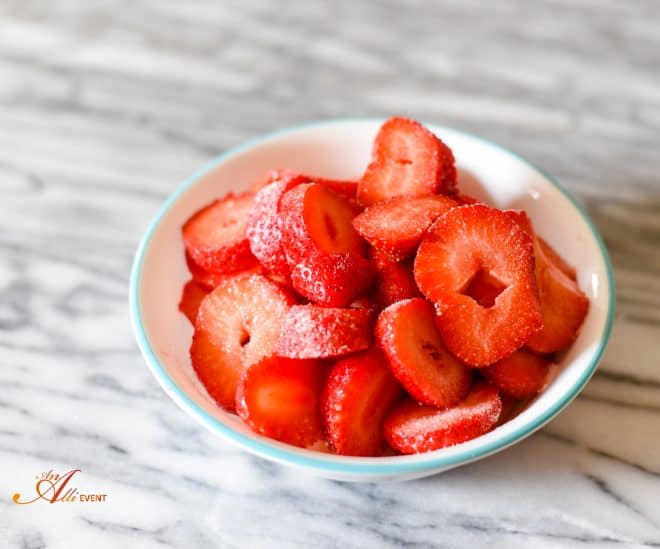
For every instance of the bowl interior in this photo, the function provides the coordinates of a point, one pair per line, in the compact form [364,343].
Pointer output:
[342,150]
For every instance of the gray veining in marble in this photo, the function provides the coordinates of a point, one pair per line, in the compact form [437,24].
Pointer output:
[106,105]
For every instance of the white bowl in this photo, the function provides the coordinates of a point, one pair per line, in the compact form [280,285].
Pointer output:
[341,149]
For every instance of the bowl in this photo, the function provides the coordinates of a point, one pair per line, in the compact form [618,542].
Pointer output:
[341,149]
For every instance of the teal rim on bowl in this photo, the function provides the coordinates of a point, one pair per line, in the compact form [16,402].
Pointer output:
[378,466]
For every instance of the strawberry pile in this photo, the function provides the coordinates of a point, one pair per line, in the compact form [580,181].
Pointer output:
[393,313]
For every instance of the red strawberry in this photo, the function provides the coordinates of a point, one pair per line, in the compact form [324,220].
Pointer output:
[341,187]
[412,428]
[563,305]
[398,225]
[191,298]
[407,160]
[316,220]
[206,279]
[279,398]
[264,226]
[407,334]
[461,243]
[309,331]
[395,281]
[563,308]
[557,260]
[333,280]
[521,375]
[237,325]
[215,236]
[359,391]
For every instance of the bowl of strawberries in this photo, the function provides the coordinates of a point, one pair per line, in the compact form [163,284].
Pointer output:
[368,300]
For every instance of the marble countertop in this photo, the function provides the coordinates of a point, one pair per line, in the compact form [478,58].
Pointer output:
[106,106]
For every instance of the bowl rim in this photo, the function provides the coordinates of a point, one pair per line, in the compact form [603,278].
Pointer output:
[351,465]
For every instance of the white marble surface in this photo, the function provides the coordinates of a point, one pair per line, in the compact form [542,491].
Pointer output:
[105,106]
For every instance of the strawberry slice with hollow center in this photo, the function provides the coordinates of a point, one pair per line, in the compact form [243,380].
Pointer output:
[398,225]
[237,325]
[407,160]
[215,238]
[412,428]
[309,331]
[359,391]
[462,242]
[280,398]
[316,220]
[520,375]
[416,355]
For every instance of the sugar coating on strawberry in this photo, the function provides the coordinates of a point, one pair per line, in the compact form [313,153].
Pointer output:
[412,428]
[358,393]
[272,176]
[520,375]
[332,280]
[316,220]
[417,357]
[264,226]
[398,225]
[407,160]
[215,238]
[191,298]
[460,244]
[280,398]
[237,325]
[206,279]
[395,281]
[310,331]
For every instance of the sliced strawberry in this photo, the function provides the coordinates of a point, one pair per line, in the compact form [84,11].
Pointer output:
[462,242]
[359,391]
[332,280]
[209,280]
[407,160]
[309,331]
[215,236]
[341,187]
[395,281]
[521,375]
[407,334]
[563,308]
[279,398]
[264,226]
[191,298]
[316,220]
[563,305]
[237,325]
[206,279]
[398,225]
[557,260]
[412,428]
[367,303]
